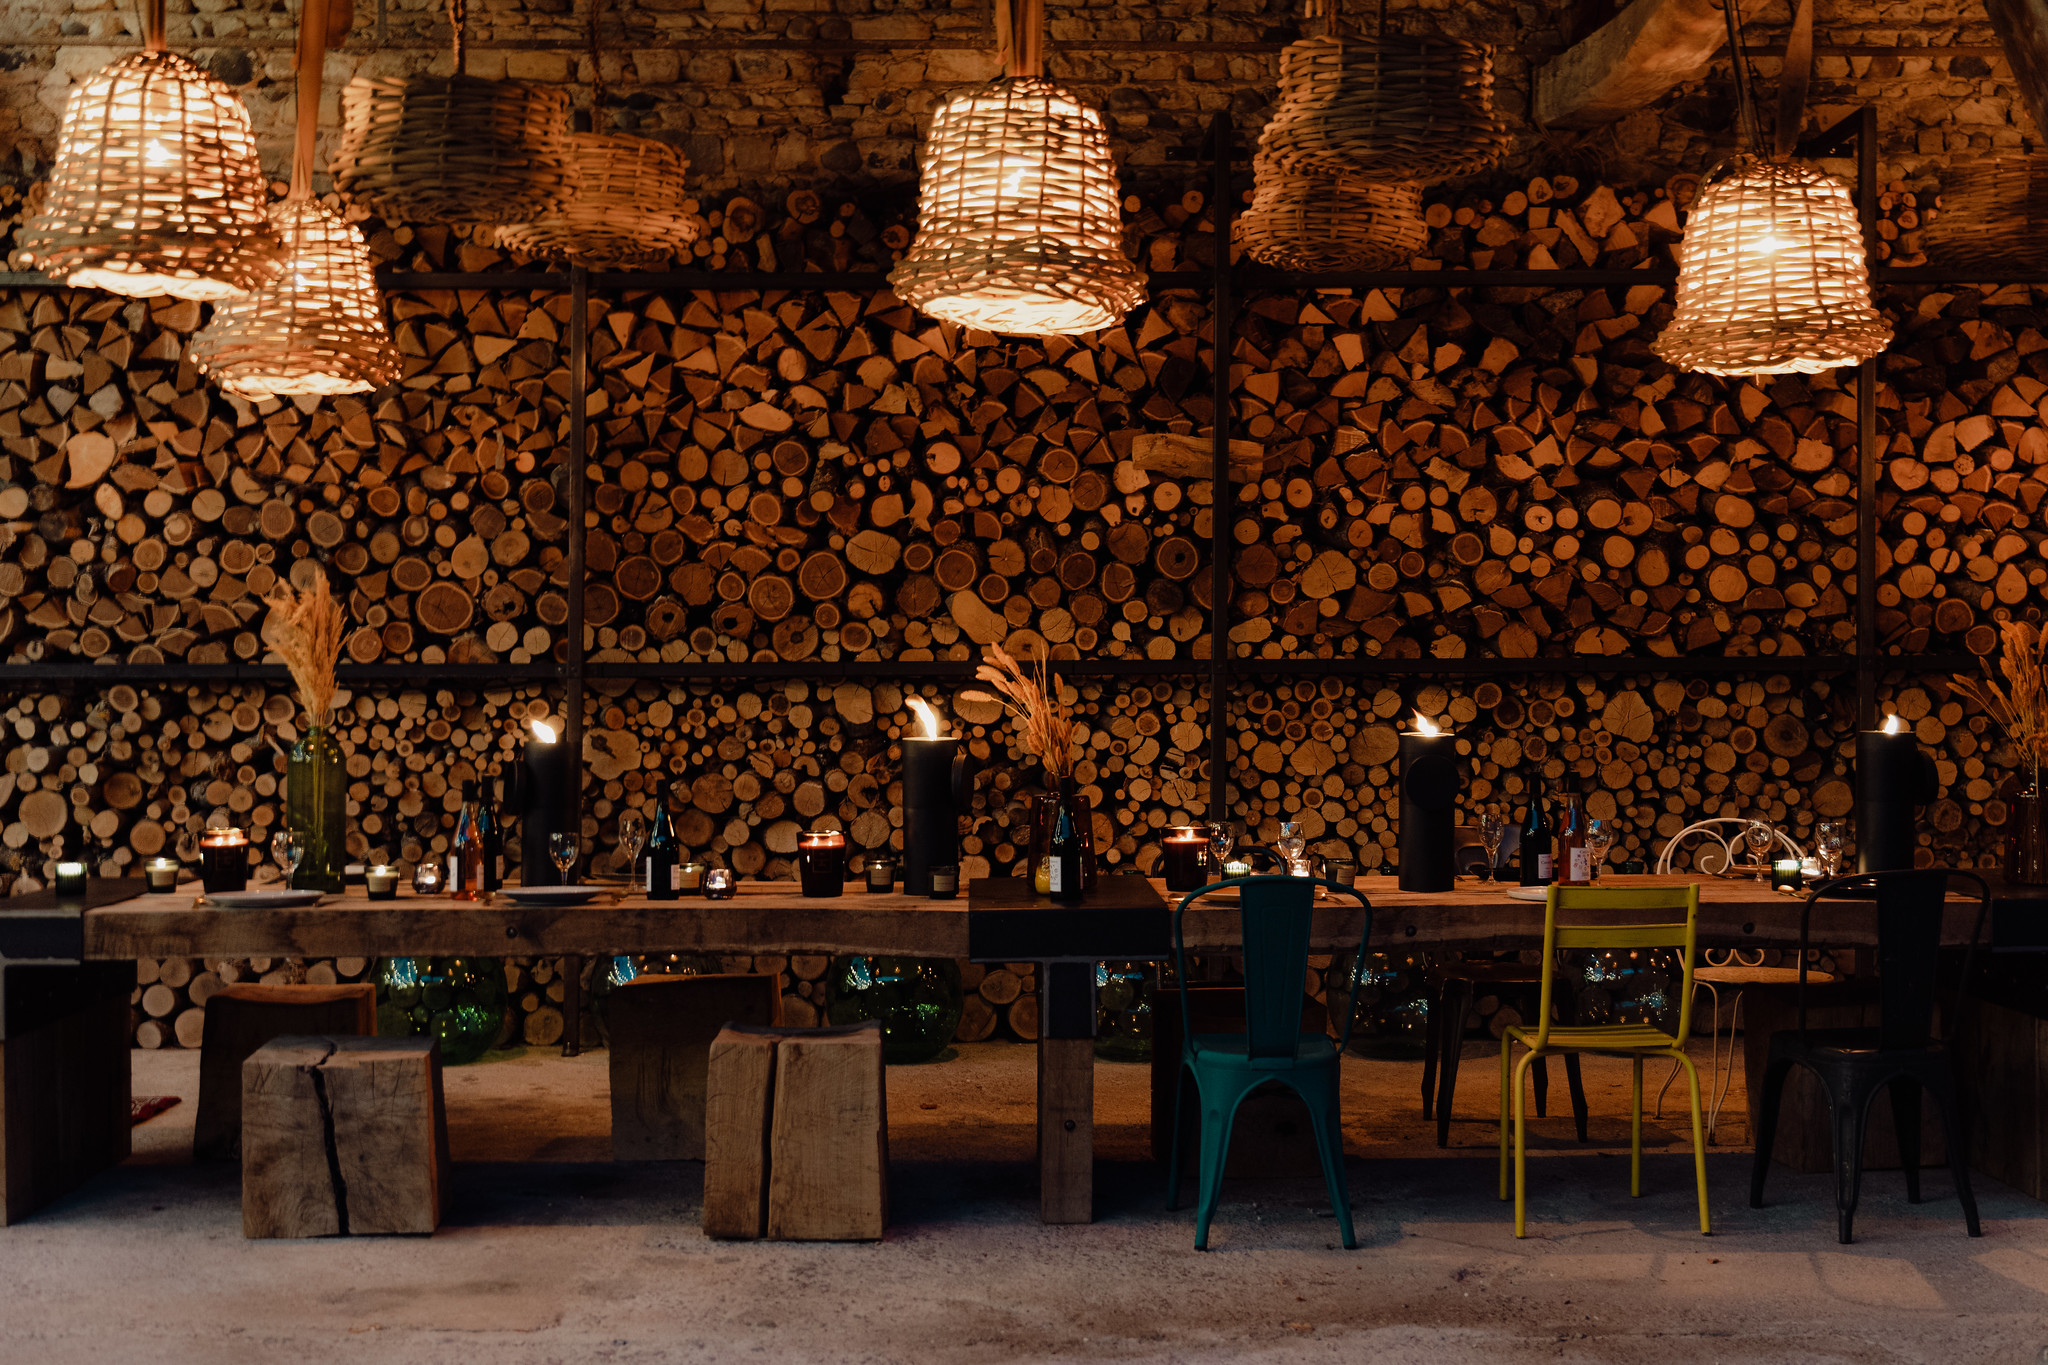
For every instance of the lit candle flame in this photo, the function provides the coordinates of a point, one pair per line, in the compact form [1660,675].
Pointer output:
[543,732]
[1893,725]
[925,716]
[1425,726]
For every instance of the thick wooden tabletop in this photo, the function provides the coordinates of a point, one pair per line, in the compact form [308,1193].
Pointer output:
[774,917]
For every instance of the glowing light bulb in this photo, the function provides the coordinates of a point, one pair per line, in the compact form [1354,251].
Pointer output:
[543,732]
[927,720]
[154,153]
[1425,726]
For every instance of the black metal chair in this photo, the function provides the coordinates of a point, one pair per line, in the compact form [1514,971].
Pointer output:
[1901,1053]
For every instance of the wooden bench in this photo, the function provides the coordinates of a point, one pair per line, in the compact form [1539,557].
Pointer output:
[241,1018]
[342,1136]
[796,1134]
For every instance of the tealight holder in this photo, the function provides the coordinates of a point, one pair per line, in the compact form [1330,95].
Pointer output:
[426,878]
[945,881]
[880,875]
[224,859]
[70,879]
[380,883]
[718,884]
[1237,868]
[162,874]
[821,863]
[1187,856]
[690,877]
[1785,874]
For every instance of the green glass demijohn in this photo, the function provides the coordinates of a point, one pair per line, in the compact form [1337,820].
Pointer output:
[316,805]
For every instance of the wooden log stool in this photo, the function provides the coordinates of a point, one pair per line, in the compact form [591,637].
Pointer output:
[242,1018]
[796,1134]
[343,1136]
[661,1032]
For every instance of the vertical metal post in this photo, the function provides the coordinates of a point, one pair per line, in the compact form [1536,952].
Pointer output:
[1866,450]
[1223,504]
[572,663]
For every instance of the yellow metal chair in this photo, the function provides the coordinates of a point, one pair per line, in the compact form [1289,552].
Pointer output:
[1641,1042]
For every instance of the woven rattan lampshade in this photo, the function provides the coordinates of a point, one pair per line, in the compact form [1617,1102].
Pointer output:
[318,328]
[156,187]
[1772,275]
[1991,212]
[1391,107]
[1320,222]
[453,149]
[629,206]
[1019,226]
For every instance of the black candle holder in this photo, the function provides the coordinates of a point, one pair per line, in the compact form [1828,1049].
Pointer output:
[934,784]
[1186,860]
[1893,778]
[821,863]
[543,795]
[224,860]
[1430,779]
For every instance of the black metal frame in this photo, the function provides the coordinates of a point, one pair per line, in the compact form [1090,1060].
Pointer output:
[1223,281]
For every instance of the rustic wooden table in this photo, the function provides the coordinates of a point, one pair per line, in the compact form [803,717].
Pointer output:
[63,1031]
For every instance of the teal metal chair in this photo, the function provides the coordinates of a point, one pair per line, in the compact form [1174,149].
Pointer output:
[1275,915]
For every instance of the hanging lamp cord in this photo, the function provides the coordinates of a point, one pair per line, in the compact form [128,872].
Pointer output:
[596,71]
[458,12]
[1745,100]
[153,26]
[312,56]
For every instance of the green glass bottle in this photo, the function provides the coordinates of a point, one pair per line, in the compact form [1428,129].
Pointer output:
[316,805]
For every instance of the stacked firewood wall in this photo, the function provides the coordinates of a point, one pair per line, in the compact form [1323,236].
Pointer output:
[1419,473]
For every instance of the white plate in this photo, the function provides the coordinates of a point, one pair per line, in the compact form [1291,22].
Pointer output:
[275,899]
[552,895]
[1539,894]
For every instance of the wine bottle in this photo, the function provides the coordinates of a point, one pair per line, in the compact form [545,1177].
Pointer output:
[491,835]
[664,865]
[1574,859]
[1066,850]
[1536,832]
[466,854]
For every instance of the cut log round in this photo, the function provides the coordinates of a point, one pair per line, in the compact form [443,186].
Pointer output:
[444,609]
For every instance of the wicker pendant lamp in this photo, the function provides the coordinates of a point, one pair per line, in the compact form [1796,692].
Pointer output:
[1019,225]
[453,150]
[1773,273]
[318,328]
[628,207]
[1390,107]
[156,188]
[1322,222]
[1990,215]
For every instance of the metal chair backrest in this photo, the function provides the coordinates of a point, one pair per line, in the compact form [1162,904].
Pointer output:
[1559,936]
[1730,842]
[1912,904]
[1275,918]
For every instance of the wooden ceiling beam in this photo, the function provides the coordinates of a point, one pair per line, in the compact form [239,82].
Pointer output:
[1631,60]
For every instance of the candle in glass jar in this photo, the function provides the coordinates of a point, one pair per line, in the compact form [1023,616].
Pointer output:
[690,877]
[1187,852]
[945,881]
[224,859]
[381,882]
[1785,874]
[881,874]
[162,874]
[1237,868]
[71,879]
[718,885]
[426,878]
[821,863]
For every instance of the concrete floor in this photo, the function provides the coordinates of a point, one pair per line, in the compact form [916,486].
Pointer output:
[553,1254]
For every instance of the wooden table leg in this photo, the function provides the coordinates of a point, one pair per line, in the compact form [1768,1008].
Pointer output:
[64,1079]
[572,1006]
[1066,1094]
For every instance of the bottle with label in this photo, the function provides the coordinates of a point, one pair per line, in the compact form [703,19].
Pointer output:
[1574,859]
[664,863]
[1065,883]
[492,836]
[1536,835]
[466,854]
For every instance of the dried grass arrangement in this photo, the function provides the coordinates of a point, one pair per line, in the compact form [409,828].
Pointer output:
[1045,723]
[304,629]
[156,188]
[1990,215]
[629,210]
[1320,222]
[1773,275]
[1020,226]
[2020,707]
[454,149]
[1390,107]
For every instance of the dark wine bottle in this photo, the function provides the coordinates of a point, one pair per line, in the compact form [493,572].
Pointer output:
[466,854]
[1574,859]
[1536,835]
[491,835]
[664,863]
[1066,846]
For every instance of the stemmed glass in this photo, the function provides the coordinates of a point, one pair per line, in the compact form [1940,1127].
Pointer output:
[1759,835]
[632,834]
[562,852]
[288,846]
[1599,838]
[1222,838]
[1829,838]
[1492,829]
[1291,841]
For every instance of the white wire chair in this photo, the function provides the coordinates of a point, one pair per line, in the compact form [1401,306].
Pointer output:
[1730,843]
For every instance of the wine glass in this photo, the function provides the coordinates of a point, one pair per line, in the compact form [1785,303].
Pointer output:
[1291,841]
[1222,838]
[632,834]
[562,852]
[288,846]
[1759,835]
[1599,838]
[1492,829]
[1828,840]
